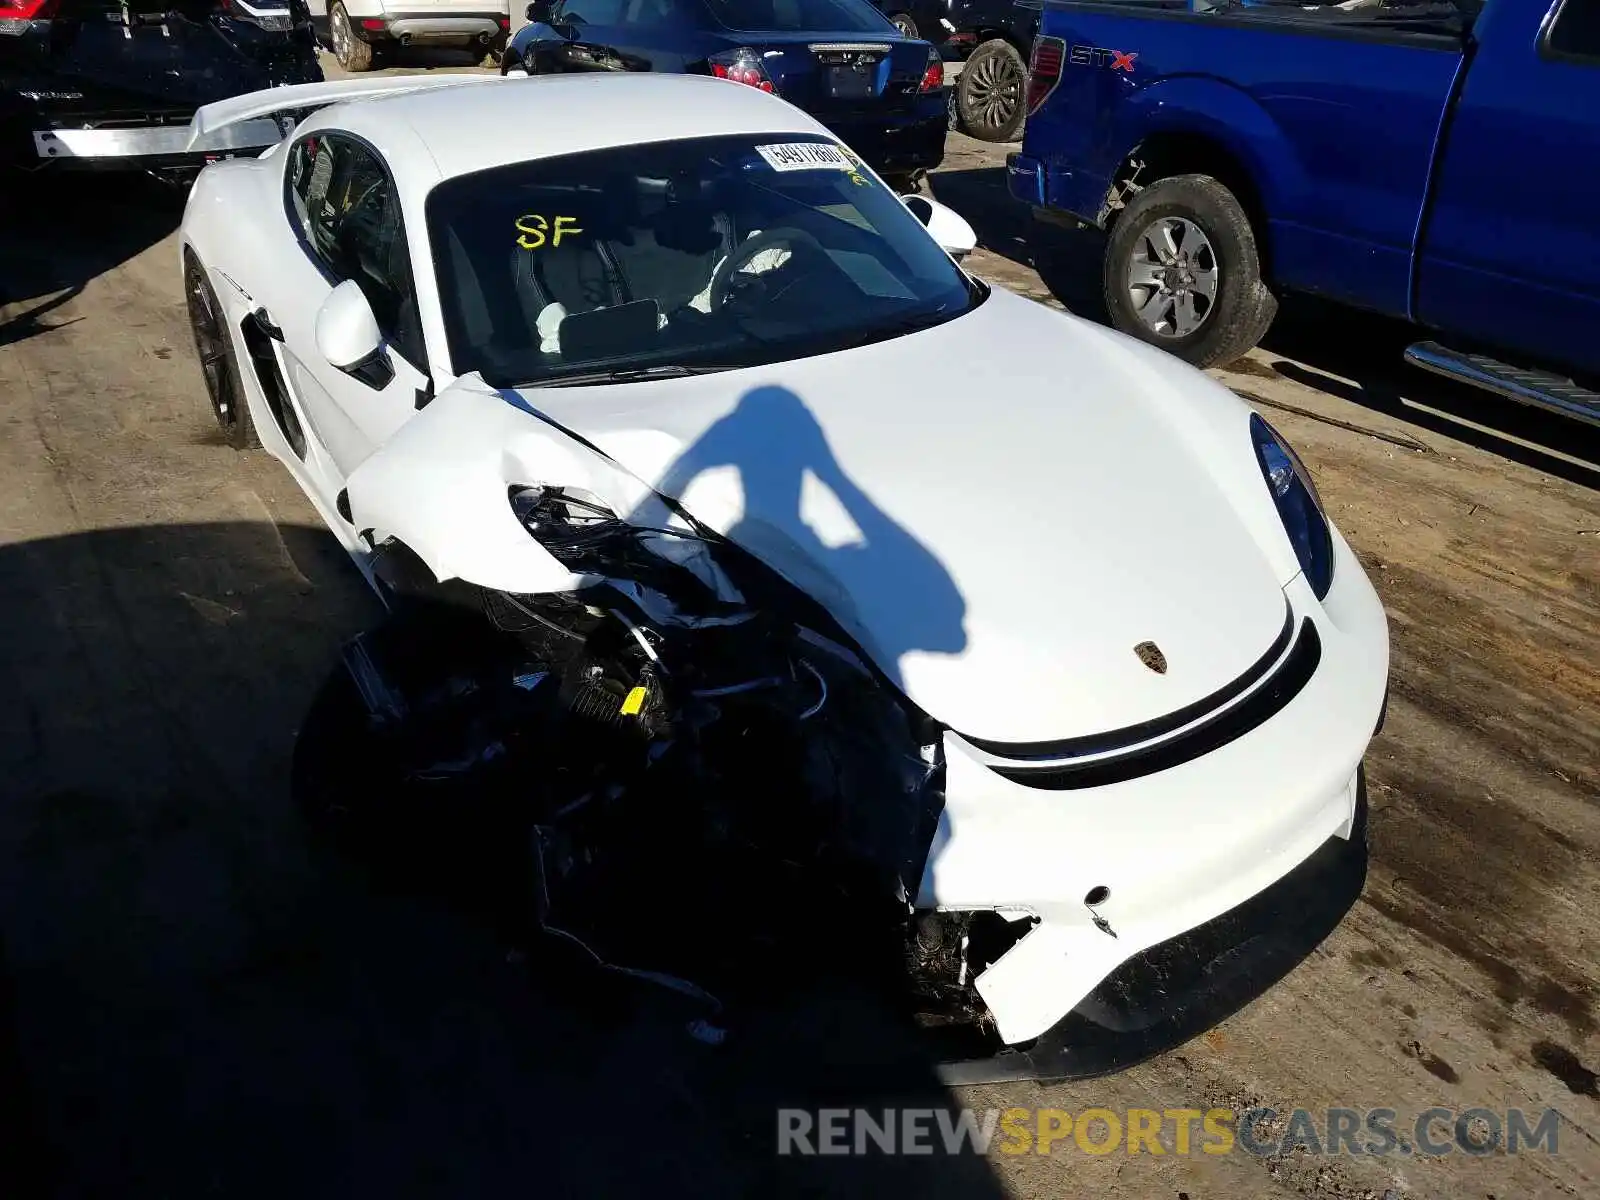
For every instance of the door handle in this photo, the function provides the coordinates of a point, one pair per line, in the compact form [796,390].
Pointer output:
[264,323]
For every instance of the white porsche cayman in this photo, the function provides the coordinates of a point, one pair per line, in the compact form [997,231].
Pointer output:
[657,352]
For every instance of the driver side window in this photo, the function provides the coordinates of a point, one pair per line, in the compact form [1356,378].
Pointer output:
[346,207]
[1575,32]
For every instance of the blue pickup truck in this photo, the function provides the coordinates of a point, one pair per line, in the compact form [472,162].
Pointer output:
[1433,161]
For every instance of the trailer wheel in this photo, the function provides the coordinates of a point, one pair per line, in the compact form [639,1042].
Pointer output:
[1182,272]
[352,53]
[989,92]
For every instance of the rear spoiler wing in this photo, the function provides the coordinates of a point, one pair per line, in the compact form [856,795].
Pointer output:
[254,121]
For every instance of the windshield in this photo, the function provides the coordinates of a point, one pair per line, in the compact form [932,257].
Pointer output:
[800,16]
[704,254]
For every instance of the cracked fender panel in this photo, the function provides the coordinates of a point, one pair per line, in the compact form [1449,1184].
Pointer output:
[442,486]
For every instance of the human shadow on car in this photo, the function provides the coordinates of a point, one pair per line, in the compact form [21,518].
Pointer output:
[888,590]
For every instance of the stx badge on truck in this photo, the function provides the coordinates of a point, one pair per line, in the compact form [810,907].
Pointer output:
[1098,56]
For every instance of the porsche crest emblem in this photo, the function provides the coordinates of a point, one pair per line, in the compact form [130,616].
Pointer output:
[1150,655]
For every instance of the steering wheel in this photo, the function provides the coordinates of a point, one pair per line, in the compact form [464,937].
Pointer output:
[786,237]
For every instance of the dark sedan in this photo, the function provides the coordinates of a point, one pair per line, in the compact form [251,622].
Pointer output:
[842,61]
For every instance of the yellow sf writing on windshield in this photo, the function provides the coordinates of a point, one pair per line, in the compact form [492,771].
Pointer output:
[533,231]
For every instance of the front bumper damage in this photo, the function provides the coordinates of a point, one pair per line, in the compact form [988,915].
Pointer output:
[1111,874]
[715,793]
[1166,994]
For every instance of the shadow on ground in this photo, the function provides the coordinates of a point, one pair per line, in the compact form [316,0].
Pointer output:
[1358,357]
[1351,355]
[980,195]
[207,1002]
[104,219]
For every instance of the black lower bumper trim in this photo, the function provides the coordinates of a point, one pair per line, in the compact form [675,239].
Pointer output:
[1164,996]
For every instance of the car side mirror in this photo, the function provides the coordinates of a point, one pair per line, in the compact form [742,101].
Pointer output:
[948,227]
[348,336]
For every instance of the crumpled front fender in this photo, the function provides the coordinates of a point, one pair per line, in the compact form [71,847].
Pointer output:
[440,486]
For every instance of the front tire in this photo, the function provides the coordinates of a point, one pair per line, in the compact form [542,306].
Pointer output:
[906,24]
[218,363]
[1182,271]
[989,92]
[351,53]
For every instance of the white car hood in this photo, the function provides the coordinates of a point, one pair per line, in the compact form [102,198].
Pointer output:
[999,509]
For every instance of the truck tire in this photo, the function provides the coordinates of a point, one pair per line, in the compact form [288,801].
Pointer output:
[989,92]
[1182,272]
[350,51]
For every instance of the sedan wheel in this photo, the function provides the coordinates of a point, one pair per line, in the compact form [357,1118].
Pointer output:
[989,92]
[905,24]
[351,52]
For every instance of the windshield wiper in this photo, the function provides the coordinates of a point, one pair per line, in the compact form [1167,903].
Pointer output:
[630,374]
[910,323]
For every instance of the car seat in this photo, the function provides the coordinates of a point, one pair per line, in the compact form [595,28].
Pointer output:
[576,270]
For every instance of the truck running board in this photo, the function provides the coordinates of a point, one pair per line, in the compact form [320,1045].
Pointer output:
[1540,389]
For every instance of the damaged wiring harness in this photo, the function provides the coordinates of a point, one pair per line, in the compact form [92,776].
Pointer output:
[710,783]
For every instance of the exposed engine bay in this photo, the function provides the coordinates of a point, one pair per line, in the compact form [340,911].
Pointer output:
[712,785]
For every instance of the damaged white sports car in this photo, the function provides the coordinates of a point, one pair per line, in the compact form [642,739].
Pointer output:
[785,576]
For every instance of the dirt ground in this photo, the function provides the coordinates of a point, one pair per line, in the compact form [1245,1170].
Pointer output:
[205,1003]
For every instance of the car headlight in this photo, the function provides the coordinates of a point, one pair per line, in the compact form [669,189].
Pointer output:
[1298,504]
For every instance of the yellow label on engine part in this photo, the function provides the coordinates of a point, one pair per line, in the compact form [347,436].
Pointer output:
[634,702]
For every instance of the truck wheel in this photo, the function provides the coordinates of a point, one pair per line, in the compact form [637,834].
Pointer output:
[351,52]
[1182,272]
[989,91]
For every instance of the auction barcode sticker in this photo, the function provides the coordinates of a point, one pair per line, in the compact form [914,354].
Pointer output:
[805,156]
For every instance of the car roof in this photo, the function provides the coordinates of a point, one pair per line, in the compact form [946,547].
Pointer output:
[469,129]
